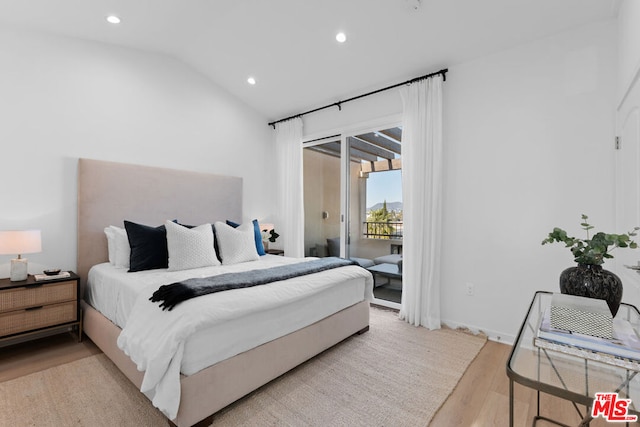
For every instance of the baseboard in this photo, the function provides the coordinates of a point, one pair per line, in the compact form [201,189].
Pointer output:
[497,336]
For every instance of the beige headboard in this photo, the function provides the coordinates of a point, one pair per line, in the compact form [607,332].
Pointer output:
[109,193]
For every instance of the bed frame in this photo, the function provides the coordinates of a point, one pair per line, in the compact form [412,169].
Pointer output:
[110,192]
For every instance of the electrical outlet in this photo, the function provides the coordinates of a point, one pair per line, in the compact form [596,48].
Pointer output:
[471,289]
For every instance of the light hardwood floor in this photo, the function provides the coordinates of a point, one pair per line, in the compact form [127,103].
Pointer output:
[481,399]
[33,356]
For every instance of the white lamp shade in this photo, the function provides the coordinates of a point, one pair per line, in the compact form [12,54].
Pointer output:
[20,242]
[266,226]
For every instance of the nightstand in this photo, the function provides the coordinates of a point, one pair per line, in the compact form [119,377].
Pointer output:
[275,252]
[30,307]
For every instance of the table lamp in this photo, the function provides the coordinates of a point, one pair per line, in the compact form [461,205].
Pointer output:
[19,242]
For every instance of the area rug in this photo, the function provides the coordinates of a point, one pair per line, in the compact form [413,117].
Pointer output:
[395,374]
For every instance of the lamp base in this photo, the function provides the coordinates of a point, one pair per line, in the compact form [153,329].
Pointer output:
[19,269]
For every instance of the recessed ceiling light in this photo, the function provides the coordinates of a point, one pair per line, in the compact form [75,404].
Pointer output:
[113,19]
[251,81]
[341,37]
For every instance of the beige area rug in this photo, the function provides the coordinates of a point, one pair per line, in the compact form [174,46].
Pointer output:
[393,375]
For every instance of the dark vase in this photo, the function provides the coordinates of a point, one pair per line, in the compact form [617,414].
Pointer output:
[592,281]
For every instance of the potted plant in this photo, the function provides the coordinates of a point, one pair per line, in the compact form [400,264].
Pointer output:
[268,236]
[588,278]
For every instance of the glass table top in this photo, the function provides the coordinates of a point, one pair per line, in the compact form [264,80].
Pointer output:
[568,376]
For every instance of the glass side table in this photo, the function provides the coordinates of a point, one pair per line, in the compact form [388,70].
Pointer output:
[567,376]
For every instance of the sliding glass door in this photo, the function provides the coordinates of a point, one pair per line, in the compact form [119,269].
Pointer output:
[375,208]
[353,203]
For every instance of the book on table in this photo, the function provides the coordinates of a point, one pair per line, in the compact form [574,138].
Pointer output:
[625,342]
[43,277]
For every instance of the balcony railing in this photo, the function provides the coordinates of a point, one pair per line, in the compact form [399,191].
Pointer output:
[382,230]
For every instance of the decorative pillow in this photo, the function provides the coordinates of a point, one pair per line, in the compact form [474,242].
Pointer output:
[257,235]
[118,246]
[236,244]
[190,247]
[148,246]
[215,239]
[123,251]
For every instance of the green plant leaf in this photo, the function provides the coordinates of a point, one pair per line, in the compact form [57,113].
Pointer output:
[592,250]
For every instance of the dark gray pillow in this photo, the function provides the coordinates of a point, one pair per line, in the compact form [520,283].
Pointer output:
[334,246]
[148,246]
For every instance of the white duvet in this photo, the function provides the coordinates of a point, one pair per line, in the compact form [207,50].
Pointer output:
[155,339]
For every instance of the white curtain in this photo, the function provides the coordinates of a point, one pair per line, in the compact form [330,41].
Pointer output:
[422,201]
[290,186]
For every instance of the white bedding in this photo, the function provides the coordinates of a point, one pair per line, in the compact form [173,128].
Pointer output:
[166,343]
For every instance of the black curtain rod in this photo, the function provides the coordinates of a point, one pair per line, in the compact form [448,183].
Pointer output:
[324,137]
[339,103]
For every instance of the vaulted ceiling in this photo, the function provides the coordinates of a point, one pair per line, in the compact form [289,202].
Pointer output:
[289,46]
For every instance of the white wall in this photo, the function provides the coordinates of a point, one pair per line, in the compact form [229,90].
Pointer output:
[63,98]
[529,145]
[384,109]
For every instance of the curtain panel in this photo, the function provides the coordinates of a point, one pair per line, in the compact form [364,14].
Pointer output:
[290,186]
[422,201]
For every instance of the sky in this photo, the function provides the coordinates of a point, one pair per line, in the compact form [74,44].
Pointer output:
[383,186]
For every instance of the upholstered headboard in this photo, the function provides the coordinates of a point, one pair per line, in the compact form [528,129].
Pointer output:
[109,193]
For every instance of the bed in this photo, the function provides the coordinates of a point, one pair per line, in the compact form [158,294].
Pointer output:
[106,197]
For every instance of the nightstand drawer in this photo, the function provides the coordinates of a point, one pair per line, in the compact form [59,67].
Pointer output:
[33,296]
[14,322]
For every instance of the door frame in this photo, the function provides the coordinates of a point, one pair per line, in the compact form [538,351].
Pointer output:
[627,110]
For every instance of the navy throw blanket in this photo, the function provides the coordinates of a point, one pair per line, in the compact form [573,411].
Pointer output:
[174,293]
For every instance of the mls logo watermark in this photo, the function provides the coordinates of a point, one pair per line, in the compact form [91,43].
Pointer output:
[612,408]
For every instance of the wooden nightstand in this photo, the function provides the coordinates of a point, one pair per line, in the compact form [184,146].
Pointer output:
[30,307]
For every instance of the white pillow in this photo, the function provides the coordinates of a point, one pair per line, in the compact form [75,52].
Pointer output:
[123,250]
[236,245]
[118,246]
[190,247]
[111,244]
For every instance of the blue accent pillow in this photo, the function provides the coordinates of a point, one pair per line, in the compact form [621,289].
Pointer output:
[148,246]
[257,235]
